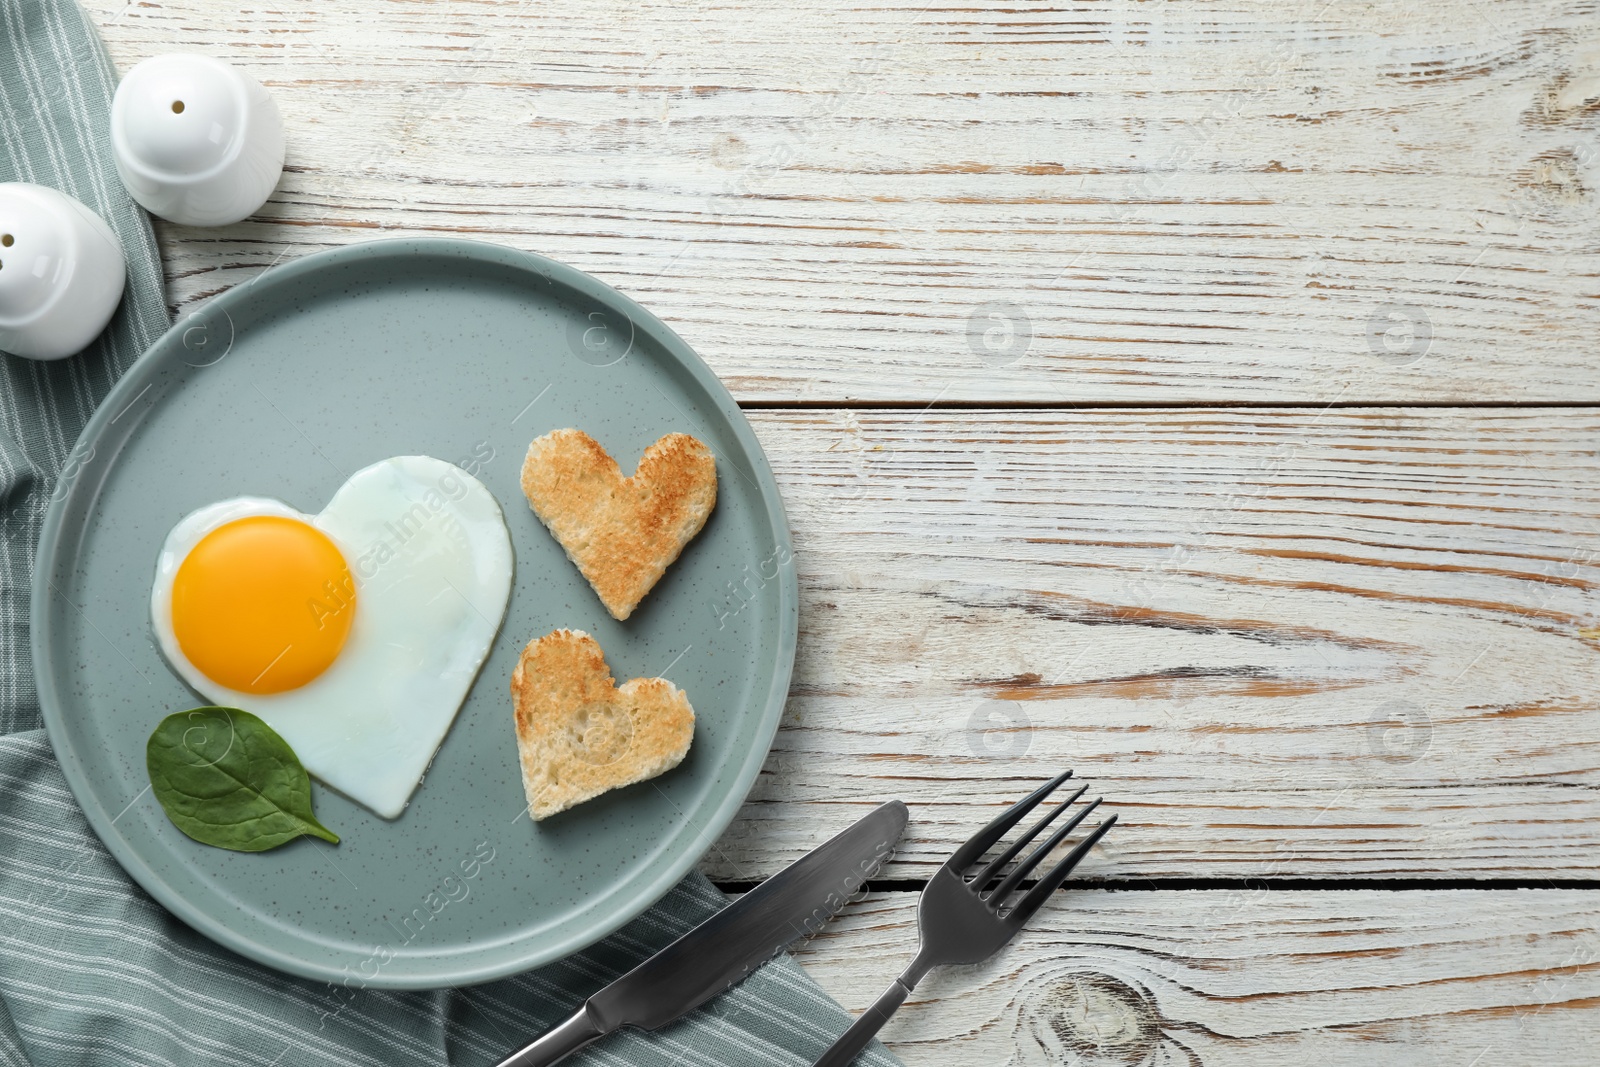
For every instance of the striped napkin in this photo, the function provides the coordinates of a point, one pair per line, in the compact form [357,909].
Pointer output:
[92,971]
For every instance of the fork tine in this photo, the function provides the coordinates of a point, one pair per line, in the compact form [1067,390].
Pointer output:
[1058,874]
[984,839]
[1021,870]
[987,874]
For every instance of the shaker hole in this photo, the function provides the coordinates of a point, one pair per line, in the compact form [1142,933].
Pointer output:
[7,240]
[177,107]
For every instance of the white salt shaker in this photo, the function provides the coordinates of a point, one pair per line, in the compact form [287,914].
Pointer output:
[197,141]
[61,272]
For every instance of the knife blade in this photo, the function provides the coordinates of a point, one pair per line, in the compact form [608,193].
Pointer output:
[721,951]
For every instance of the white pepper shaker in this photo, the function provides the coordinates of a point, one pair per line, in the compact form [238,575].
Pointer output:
[197,140]
[62,271]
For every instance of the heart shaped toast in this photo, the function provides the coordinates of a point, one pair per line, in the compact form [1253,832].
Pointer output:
[623,533]
[579,734]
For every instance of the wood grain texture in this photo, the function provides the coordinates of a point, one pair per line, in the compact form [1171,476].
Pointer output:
[1283,643]
[1121,201]
[1220,977]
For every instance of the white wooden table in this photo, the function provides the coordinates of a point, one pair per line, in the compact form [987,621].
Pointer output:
[1201,395]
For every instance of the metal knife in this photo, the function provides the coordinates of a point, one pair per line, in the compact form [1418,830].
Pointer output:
[721,951]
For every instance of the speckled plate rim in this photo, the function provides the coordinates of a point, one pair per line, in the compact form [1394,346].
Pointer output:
[45,609]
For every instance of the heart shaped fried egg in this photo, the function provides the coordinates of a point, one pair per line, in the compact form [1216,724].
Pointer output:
[355,633]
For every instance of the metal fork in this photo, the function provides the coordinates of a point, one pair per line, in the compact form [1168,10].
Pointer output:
[959,922]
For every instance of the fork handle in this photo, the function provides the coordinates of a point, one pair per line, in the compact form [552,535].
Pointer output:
[866,1026]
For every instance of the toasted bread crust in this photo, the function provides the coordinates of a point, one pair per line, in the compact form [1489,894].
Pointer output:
[621,532]
[579,734]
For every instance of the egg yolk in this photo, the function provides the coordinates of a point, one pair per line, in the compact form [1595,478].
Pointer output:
[263,604]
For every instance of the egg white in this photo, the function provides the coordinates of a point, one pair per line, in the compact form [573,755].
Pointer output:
[431,557]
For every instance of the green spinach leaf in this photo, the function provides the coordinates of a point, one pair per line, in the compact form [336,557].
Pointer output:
[227,779]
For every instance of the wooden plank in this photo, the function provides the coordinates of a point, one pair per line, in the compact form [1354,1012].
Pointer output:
[1283,643]
[1179,978]
[1247,200]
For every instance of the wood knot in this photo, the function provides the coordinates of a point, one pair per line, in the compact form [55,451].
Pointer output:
[1555,180]
[1092,1019]
[728,151]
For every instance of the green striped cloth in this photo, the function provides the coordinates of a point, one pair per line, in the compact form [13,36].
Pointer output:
[92,971]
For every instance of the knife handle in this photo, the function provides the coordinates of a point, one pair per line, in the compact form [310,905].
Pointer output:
[557,1044]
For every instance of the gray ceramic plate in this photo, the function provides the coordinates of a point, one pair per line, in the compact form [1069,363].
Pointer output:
[280,388]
